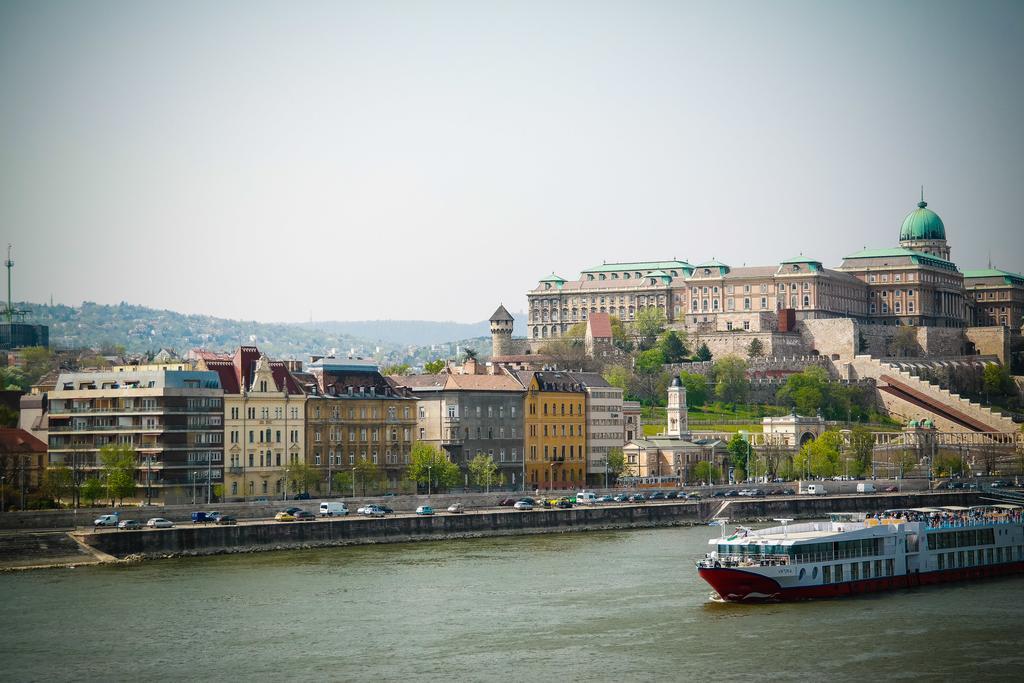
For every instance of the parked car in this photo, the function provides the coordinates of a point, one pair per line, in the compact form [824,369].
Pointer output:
[333,509]
[585,498]
[129,524]
[637,498]
[107,520]
[522,505]
[606,499]
[621,498]
[1000,483]
[732,493]
[373,511]
[565,504]
[303,495]
[424,510]
[213,516]
[891,489]
[200,518]
[718,494]
[292,510]
[692,496]
[456,508]
[304,516]
[284,516]
[670,495]
[866,487]
[507,502]
[788,492]
[227,520]
[387,510]
[657,495]
[159,523]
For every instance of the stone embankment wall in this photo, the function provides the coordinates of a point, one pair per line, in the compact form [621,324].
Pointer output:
[208,540]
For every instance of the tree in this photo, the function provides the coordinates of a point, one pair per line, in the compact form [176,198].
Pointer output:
[568,352]
[401,369]
[649,362]
[947,464]
[577,331]
[36,362]
[616,463]
[703,353]
[429,465]
[650,381]
[302,476]
[696,388]
[805,391]
[57,482]
[739,455]
[14,379]
[483,471]
[620,339]
[92,489]
[618,376]
[862,448]
[118,463]
[647,325]
[706,472]
[996,380]
[731,383]
[755,348]
[672,345]
[433,367]
[904,342]
[341,482]
[469,354]
[366,473]
[821,456]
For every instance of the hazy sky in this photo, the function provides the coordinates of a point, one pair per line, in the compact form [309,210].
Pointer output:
[426,160]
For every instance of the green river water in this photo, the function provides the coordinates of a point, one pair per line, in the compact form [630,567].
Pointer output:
[597,606]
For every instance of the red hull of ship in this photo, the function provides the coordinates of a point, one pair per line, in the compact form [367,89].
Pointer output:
[738,585]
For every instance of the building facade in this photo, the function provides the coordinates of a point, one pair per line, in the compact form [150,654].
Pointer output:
[173,420]
[264,423]
[355,415]
[996,297]
[555,421]
[605,424]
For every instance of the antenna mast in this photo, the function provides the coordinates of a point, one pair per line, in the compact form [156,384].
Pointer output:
[9,264]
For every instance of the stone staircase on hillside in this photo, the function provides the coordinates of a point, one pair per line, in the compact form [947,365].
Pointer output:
[898,385]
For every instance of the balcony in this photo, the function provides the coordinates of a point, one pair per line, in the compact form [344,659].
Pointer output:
[234,469]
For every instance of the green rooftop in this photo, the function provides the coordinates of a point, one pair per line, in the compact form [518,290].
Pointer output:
[801,259]
[639,265]
[900,252]
[1008,277]
[553,278]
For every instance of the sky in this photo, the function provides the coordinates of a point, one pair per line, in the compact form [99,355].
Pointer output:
[282,161]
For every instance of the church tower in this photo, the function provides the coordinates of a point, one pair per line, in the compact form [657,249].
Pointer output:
[678,423]
[501,332]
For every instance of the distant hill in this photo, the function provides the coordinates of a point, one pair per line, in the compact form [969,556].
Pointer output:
[140,329]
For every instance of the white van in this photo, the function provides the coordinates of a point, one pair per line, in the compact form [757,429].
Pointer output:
[866,487]
[814,490]
[333,509]
[107,520]
[586,498]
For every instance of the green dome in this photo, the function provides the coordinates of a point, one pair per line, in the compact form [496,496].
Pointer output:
[922,224]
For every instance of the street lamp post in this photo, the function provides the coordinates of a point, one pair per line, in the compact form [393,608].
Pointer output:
[353,482]
[428,480]
[284,485]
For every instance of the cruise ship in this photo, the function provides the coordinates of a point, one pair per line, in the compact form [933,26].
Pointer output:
[856,553]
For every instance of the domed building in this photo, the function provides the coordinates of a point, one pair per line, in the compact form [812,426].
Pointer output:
[923,231]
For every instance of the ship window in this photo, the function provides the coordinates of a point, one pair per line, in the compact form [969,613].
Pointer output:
[839,573]
[803,572]
[814,573]
[826,574]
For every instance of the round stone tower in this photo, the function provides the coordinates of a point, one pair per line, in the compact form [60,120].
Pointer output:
[923,231]
[501,332]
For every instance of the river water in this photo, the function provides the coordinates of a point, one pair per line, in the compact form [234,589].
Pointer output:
[597,606]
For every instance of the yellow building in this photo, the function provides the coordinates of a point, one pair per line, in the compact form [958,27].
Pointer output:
[264,422]
[555,420]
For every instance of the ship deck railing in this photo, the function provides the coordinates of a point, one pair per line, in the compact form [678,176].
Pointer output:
[771,560]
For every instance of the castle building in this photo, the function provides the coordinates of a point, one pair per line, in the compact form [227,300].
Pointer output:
[996,297]
[912,284]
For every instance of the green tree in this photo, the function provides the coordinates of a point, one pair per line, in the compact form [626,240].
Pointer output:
[703,353]
[618,376]
[8,417]
[92,489]
[36,362]
[947,464]
[57,482]
[706,472]
[428,464]
[806,391]
[469,354]
[433,367]
[755,348]
[647,325]
[577,331]
[672,345]
[118,463]
[904,342]
[650,381]
[739,454]
[483,471]
[731,383]
[366,474]
[996,380]
[862,448]
[822,456]
[649,362]
[341,482]
[620,338]
[14,379]
[696,388]
[616,463]
[301,477]
[400,369]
